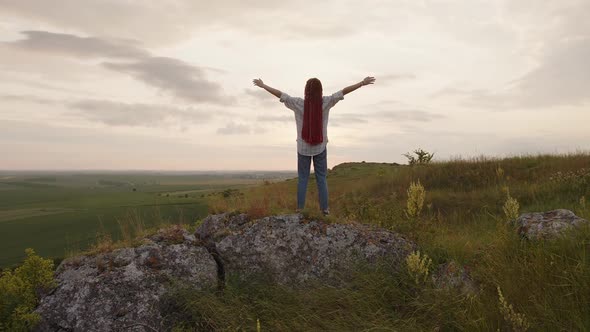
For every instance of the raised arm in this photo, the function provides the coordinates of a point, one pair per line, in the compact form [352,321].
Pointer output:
[258,82]
[366,81]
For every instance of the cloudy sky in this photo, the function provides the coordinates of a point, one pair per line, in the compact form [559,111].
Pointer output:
[111,84]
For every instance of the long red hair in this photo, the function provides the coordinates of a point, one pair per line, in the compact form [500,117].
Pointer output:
[313,130]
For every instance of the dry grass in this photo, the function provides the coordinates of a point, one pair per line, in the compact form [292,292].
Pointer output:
[132,233]
[463,219]
[544,285]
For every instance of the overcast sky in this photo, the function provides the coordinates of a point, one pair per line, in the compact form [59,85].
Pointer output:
[111,84]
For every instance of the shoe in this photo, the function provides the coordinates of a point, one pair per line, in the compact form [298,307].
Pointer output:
[326,212]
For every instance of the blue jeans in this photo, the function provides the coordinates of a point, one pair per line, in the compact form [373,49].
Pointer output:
[320,167]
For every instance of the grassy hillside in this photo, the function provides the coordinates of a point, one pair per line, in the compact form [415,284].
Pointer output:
[544,285]
[524,285]
[60,212]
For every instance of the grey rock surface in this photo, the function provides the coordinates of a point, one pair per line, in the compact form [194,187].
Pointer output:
[291,250]
[453,275]
[120,290]
[123,290]
[544,225]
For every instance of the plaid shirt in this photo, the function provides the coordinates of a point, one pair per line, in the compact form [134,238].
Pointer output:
[296,105]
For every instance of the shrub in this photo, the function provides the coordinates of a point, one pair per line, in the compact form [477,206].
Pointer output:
[416,195]
[231,193]
[511,207]
[500,173]
[20,291]
[517,321]
[418,266]
[422,157]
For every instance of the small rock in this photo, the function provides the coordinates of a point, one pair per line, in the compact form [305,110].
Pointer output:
[452,275]
[544,225]
[123,257]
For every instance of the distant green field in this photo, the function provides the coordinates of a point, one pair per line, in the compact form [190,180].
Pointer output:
[57,212]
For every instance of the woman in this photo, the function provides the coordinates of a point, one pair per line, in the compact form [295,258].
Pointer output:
[311,117]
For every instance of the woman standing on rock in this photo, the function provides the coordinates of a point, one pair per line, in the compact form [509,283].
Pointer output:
[311,117]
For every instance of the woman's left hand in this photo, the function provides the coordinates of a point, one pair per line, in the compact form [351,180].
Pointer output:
[258,82]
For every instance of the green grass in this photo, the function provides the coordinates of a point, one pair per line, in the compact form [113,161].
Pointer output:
[61,213]
[547,282]
[462,220]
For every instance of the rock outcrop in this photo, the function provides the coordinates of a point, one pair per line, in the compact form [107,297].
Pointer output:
[290,250]
[122,289]
[545,225]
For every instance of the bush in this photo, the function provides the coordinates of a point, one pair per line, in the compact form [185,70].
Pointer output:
[511,207]
[422,157]
[416,195]
[21,290]
[517,321]
[418,266]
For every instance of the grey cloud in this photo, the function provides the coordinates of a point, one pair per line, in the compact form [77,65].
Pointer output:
[480,98]
[562,78]
[263,98]
[391,78]
[175,76]
[336,119]
[29,83]
[409,115]
[30,99]
[561,49]
[275,118]
[123,114]
[234,129]
[568,19]
[480,23]
[165,22]
[333,29]
[159,22]
[393,110]
[258,93]
[342,119]
[215,70]
[94,148]
[87,47]
[384,103]
[114,113]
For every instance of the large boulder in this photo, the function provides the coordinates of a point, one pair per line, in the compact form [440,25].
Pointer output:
[121,290]
[124,289]
[544,225]
[291,250]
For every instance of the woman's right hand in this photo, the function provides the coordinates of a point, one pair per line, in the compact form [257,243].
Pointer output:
[368,80]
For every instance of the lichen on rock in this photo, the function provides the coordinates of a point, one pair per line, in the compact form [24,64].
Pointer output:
[290,250]
[121,289]
[546,225]
[124,289]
